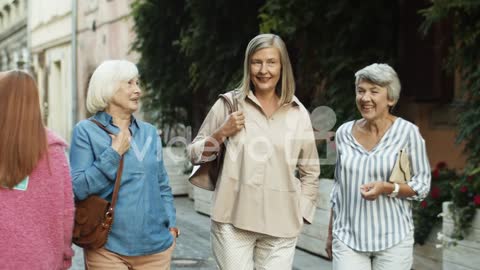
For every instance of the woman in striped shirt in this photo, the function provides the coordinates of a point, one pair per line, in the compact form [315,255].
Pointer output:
[372,217]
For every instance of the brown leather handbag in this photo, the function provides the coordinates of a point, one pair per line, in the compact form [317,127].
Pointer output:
[94,215]
[206,174]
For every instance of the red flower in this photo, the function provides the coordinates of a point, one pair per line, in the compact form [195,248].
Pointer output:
[463,189]
[423,204]
[476,200]
[435,193]
[436,174]
[470,178]
[441,165]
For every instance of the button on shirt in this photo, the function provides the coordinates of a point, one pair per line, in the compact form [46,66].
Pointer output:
[258,189]
[144,209]
[380,224]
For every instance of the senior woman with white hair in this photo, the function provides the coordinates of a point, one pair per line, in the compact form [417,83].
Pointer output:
[143,233]
[371,212]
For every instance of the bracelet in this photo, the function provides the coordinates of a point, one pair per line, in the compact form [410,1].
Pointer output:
[396,189]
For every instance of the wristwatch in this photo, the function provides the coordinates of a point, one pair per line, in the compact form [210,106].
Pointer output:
[396,188]
[175,230]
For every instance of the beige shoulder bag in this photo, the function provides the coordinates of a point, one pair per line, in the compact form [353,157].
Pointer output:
[401,170]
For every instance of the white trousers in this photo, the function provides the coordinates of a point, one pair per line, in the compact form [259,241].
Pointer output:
[236,249]
[398,257]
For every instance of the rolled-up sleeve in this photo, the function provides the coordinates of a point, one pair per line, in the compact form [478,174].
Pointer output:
[214,119]
[421,172]
[90,175]
[309,170]
[165,189]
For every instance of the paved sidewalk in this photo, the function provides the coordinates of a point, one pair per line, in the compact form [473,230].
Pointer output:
[193,246]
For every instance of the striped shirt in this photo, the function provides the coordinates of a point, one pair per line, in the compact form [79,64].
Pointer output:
[380,224]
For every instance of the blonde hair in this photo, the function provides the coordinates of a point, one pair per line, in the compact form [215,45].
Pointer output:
[287,85]
[105,82]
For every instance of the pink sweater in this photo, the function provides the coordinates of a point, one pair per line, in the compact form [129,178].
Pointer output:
[36,224]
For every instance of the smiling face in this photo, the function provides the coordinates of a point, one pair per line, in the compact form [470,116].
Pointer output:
[372,100]
[127,97]
[265,69]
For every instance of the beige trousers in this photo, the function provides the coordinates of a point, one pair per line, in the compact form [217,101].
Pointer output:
[236,249]
[102,259]
[398,257]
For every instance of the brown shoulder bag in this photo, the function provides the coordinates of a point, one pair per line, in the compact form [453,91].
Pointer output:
[94,215]
[205,175]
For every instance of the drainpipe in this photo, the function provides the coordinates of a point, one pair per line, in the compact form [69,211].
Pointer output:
[29,38]
[74,63]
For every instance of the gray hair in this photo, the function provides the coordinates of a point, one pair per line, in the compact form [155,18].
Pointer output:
[105,82]
[287,89]
[382,75]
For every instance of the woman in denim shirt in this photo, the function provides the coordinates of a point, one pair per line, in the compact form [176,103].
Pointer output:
[143,233]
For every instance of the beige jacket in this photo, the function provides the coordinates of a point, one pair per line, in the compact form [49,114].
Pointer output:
[259,188]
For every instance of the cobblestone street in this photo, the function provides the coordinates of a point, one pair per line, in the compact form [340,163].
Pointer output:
[193,246]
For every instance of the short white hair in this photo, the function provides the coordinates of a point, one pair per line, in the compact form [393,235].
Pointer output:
[105,82]
[382,75]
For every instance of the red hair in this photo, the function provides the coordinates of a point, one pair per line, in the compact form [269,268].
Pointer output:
[23,138]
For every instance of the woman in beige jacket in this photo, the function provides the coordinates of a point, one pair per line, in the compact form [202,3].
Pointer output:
[260,201]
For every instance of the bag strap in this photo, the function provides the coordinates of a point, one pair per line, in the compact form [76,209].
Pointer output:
[230,100]
[235,100]
[401,157]
[119,172]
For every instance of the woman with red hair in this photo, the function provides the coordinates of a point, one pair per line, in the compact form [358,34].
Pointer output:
[36,198]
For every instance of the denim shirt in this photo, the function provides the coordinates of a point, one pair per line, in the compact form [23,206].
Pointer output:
[144,211]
